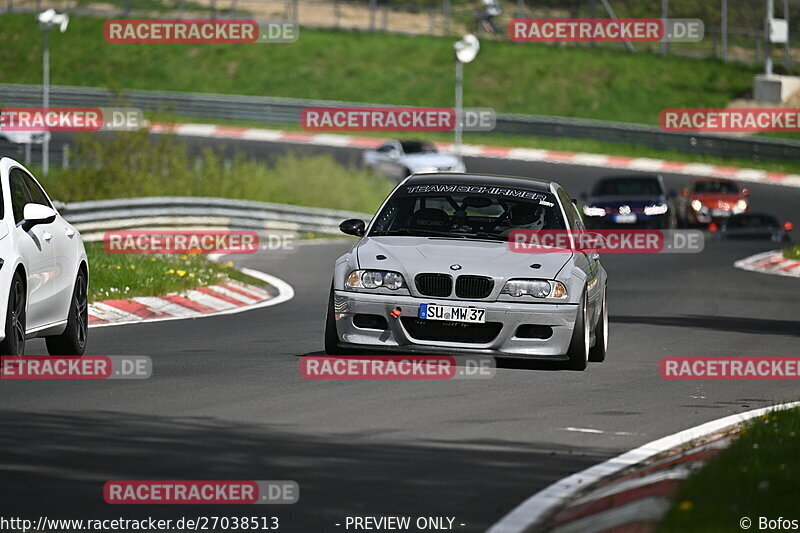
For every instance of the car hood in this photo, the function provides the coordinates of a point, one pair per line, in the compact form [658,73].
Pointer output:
[425,161]
[632,201]
[413,255]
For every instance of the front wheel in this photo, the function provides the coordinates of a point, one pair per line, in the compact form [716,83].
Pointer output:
[578,351]
[73,340]
[597,353]
[331,335]
[14,343]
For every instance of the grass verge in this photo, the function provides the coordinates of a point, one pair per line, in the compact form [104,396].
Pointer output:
[600,83]
[117,276]
[757,476]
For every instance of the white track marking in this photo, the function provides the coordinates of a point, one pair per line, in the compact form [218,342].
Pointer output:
[108,312]
[235,295]
[207,300]
[165,306]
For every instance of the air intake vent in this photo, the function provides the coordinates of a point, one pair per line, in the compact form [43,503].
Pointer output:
[474,286]
[440,285]
[445,331]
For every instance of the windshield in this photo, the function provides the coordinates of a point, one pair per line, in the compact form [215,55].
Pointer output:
[715,187]
[417,147]
[627,187]
[418,211]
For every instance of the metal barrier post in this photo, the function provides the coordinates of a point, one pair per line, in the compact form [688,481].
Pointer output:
[724,30]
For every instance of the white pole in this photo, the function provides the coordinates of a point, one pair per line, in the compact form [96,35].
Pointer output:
[768,54]
[46,100]
[459,106]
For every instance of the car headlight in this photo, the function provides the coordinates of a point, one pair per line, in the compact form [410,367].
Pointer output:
[538,288]
[658,209]
[697,205]
[740,207]
[373,279]
[594,211]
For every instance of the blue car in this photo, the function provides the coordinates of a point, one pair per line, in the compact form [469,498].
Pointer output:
[634,201]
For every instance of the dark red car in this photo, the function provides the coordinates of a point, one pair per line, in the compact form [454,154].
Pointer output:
[706,200]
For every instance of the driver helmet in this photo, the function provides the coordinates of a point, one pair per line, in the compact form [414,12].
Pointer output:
[528,216]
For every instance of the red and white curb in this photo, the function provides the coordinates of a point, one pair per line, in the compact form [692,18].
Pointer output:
[626,492]
[224,298]
[770,263]
[479,150]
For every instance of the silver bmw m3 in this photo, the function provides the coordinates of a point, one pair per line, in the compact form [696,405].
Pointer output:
[434,272]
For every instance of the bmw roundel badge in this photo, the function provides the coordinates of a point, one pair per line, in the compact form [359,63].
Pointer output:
[455,267]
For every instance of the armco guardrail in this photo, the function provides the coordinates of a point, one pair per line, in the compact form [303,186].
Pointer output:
[287,111]
[165,211]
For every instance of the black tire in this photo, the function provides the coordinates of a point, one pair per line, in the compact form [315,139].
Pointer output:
[73,340]
[14,343]
[578,351]
[331,336]
[597,353]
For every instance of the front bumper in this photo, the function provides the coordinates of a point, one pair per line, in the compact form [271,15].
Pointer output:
[706,216]
[398,337]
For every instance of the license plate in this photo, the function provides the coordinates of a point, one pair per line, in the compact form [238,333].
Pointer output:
[625,219]
[472,315]
[720,213]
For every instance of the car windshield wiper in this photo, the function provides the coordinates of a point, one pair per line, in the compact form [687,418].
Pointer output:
[417,233]
[483,235]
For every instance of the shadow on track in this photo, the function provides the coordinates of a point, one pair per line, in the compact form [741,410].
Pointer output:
[55,464]
[507,363]
[760,326]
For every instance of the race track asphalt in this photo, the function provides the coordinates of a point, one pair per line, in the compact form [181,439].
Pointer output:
[227,401]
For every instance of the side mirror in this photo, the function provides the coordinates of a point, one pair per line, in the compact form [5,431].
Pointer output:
[575,202]
[788,226]
[34,214]
[746,192]
[353,226]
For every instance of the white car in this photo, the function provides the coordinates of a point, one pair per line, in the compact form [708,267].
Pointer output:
[433,273]
[44,272]
[399,159]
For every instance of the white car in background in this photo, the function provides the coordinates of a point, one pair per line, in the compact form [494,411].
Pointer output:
[44,272]
[24,137]
[399,159]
